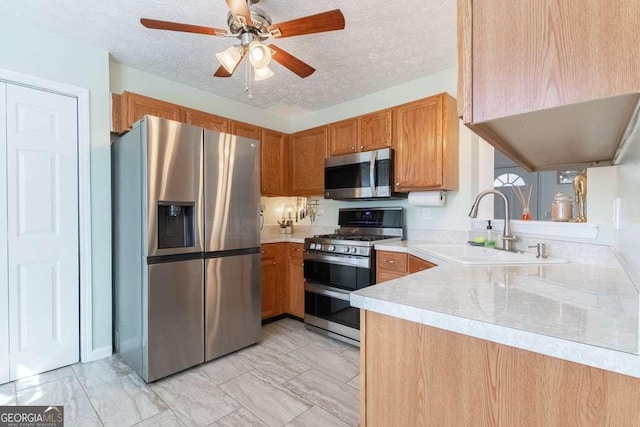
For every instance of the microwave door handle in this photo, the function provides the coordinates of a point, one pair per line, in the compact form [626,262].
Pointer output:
[372,173]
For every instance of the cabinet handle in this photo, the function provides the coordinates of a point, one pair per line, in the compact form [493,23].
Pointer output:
[274,263]
[353,148]
[390,261]
[263,252]
[362,147]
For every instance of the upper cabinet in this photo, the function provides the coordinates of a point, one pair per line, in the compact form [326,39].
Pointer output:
[274,162]
[308,151]
[133,107]
[205,120]
[344,137]
[376,130]
[426,156]
[363,133]
[245,129]
[549,82]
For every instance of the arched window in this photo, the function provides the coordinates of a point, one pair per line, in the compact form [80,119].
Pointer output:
[508,180]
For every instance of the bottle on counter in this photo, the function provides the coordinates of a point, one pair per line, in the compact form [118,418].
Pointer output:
[490,236]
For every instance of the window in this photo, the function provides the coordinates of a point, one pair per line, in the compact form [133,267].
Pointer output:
[508,180]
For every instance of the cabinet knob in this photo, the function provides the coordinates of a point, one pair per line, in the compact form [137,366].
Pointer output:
[362,147]
[263,252]
[353,148]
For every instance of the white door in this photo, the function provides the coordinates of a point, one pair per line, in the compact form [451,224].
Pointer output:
[42,202]
[4,278]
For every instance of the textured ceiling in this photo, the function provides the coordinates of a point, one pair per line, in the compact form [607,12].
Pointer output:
[385,43]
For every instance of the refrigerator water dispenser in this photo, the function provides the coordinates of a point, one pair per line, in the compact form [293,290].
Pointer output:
[175,225]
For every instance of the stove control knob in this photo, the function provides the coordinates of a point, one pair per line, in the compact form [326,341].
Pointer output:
[331,248]
[346,249]
[312,246]
[354,250]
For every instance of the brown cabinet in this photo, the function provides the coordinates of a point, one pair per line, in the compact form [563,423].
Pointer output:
[295,280]
[519,59]
[393,265]
[414,374]
[246,130]
[364,133]
[427,145]
[344,137]
[308,151]
[376,130]
[205,120]
[273,279]
[274,163]
[133,107]
[416,264]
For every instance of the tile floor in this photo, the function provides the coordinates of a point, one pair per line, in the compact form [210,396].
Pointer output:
[294,377]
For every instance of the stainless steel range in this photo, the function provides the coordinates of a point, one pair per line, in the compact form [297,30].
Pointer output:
[337,264]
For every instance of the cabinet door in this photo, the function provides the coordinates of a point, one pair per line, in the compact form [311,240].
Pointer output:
[427,145]
[376,130]
[273,160]
[308,151]
[245,129]
[135,106]
[205,120]
[295,280]
[269,287]
[416,264]
[528,55]
[344,137]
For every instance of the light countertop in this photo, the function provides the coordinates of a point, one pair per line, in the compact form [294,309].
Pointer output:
[574,312]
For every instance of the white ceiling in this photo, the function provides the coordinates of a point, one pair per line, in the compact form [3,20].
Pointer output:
[385,43]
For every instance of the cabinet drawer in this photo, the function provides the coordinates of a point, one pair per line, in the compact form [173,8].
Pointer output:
[271,250]
[296,250]
[384,276]
[395,262]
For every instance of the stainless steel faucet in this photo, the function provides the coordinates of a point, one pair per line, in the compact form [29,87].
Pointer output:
[508,239]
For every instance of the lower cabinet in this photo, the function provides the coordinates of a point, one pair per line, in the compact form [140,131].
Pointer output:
[393,265]
[282,279]
[295,280]
[414,374]
[272,279]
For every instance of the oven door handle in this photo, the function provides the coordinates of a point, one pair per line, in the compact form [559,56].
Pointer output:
[348,261]
[327,291]
[372,173]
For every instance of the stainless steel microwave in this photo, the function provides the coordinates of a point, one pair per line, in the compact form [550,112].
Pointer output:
[366,175]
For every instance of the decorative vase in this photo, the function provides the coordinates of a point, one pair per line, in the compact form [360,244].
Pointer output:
[526,215]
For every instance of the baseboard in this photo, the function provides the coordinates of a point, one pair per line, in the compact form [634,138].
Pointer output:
[101,353]
[280,317]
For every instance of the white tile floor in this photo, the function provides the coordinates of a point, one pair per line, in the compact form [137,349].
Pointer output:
[294,377]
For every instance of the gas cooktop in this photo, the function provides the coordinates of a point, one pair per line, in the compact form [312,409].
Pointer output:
[354,237]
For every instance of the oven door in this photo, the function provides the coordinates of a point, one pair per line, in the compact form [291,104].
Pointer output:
[360,175]
[329,309]
[338,271]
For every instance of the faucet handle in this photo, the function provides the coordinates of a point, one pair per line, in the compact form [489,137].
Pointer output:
[541,249]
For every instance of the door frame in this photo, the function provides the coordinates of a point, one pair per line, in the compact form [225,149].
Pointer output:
[84,196]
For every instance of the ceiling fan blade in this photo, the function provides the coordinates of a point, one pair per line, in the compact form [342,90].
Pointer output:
[185,28]
[221,72]
[240,11]
[326,21]
[291,62]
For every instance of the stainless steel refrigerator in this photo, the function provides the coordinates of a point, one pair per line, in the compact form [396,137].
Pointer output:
[186,255]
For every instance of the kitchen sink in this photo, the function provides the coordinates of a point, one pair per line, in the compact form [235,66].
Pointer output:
[467,254]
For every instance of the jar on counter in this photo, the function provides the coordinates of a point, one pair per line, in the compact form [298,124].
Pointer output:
[561,207]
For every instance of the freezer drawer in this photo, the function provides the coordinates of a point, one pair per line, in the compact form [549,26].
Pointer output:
[232,308]
[175,318]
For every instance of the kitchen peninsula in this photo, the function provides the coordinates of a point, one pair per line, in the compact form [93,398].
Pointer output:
[500,345]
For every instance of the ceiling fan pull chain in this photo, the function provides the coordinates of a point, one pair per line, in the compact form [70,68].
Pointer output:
[247,80]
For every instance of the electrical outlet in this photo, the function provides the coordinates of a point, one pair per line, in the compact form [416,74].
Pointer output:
[320,213]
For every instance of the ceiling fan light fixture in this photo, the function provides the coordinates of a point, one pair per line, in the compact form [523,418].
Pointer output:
[230,58]
[262,73]
[259,54]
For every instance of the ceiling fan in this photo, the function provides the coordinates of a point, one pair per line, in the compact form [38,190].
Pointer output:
[252,26]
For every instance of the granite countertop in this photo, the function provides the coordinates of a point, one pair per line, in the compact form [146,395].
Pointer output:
[574,312]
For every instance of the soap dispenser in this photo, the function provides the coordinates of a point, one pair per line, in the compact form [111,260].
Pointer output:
[490,237]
